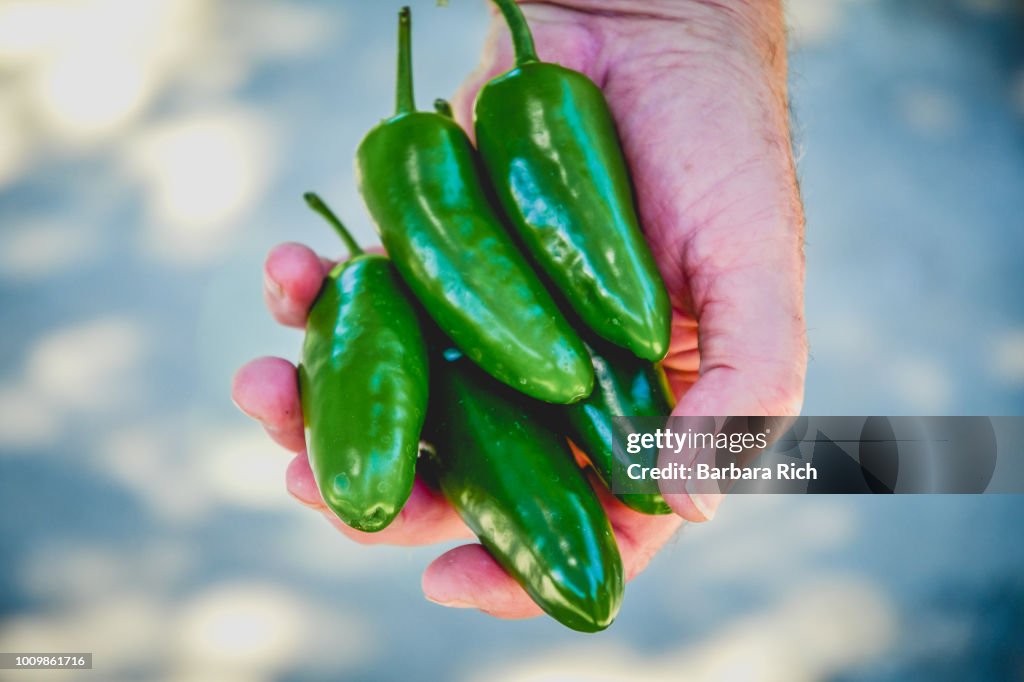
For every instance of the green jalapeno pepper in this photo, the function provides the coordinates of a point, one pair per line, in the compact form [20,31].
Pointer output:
[624,386]
[547,138]
[517,487]
[422,184]
[363,385]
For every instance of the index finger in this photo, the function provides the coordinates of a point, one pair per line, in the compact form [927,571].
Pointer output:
[292,276]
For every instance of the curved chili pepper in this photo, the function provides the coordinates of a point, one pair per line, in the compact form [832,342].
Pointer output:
[517,487]
[548,140]
[421,181]
[624,387]
[363,385]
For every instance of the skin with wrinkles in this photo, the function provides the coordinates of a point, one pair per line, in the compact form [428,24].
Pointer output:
[698,92]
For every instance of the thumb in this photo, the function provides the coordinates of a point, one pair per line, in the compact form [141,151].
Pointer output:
[753,356]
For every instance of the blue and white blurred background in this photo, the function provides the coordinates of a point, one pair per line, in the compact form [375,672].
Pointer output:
[152,151]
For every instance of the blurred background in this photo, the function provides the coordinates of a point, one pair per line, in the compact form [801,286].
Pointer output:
[152,151]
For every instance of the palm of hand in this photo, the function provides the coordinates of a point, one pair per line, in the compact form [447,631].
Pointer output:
[706,139]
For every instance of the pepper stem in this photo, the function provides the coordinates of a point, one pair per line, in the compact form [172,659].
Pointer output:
[405,102]
[318,205]
[522,39]
[443,107]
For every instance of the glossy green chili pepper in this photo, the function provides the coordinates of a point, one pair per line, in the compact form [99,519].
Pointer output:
[548,140]
[363,384]
[516,485]
[624,387]
[421,181]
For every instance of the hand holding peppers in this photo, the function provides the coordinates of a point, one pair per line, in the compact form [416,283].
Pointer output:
[698,95]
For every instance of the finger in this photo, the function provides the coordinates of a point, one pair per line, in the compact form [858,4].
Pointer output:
[719,203]
[292,276]
[752,338]
[753,357]
[301,484]
[267,390]
[426,518]
[469,577]
[752,360]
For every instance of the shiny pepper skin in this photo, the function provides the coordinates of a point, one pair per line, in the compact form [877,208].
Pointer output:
[363,383]
[516,485]
[624,387]
[549,143]
[421,180]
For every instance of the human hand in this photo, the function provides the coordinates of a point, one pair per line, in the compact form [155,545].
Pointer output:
[267,390]
[698,92]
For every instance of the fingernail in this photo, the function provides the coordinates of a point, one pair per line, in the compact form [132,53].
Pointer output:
[705,502]
[273,287]
[308,495]
[704,494]
[315,506]
[244,411]
[452,604]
